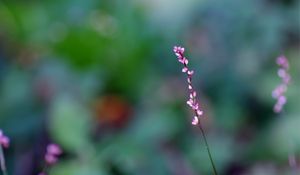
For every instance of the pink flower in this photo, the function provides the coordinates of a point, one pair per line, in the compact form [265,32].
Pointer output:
[192,102]
[50,159]
[195,120]
[282,62]
[185,69]
[279,92]
[4,140]
[53,151]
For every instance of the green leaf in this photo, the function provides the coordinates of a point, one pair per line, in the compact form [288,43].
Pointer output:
[69,123]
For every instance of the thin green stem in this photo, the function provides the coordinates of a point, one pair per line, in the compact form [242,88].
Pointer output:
[2,161]
[208,150]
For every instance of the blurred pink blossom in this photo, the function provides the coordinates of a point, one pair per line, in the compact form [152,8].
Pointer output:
[279,92]
[53,151]
[4,140]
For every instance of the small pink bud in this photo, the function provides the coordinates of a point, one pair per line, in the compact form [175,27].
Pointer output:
[181,49]
[190,102]
[175,49]
[282,61]
[194,93]
[50,159]
[191,96]
[190,87]
[199,112]
[189,80]
[281,73]
[195,106]
[282,100]
[184,61]
[287,79]
[191,72]
[185,69]
[4,140]
[54,149]
[195,120]
[181,60]
[277,108]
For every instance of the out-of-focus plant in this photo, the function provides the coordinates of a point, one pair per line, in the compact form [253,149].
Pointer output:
[279,92]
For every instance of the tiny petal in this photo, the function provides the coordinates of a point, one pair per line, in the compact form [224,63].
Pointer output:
[282,61]
[281,73]
[282,100]
[195,120]
[185,61]
[185,69]
[50,159]
[287,79]
[181,60]
[195,106]
[54,149]
[181,49]
[189,80]
[191,72]
[277,108]
[190,87]
[175,49]
[199,112]
[190,102]
[194,93]
[4,141]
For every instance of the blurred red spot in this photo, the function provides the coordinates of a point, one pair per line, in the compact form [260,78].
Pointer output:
[112,110]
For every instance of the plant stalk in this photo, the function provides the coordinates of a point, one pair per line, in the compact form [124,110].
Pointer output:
[208,150]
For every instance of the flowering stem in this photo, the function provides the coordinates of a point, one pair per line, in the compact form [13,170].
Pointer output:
[192,102]
[207,148]
[2,161]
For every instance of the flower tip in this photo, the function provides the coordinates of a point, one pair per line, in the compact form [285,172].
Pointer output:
[178,49]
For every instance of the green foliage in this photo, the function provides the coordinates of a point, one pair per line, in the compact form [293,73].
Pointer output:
[60,60]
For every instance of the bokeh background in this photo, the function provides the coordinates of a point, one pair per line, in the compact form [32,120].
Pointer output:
[99,78]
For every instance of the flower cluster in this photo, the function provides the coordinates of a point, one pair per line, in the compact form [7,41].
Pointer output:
[4,140]
[279,92]
[192,102]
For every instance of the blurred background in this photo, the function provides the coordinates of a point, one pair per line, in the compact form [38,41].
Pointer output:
[99,78]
